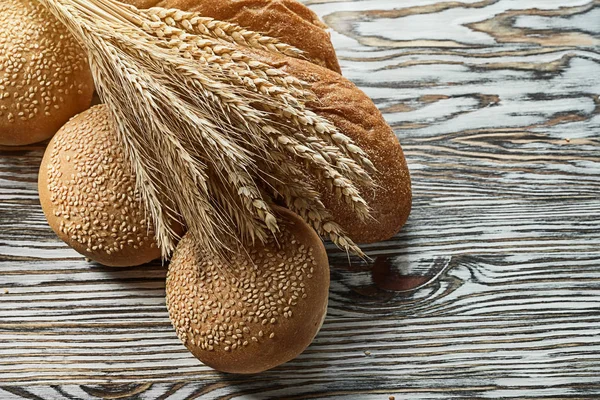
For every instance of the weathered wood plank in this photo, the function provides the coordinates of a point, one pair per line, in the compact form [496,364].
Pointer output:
[462,24]
[497,105]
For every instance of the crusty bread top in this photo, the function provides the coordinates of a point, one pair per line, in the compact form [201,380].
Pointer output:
[355,115]
[286,20]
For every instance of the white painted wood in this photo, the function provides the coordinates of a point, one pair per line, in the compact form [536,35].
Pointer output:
[497,105]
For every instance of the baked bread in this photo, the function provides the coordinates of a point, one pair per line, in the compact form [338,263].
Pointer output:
[341,102]
[44,74]
[287,20]
[356,116]
[87,191]
[259,310]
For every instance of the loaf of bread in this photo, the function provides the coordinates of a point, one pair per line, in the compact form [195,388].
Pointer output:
[356,116]
[259,309]
[44,74]
[287,20]
[341,102]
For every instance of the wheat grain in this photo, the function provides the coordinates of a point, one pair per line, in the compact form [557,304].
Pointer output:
[301,198]
[195,23]
[213,135]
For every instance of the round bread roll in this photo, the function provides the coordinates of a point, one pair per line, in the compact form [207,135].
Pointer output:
[258,310]
[44,75]
[287,20]
[87,191]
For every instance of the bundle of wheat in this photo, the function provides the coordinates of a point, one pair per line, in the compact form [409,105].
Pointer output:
[231,131]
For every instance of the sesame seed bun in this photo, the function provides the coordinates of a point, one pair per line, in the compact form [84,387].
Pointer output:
[44,74]
[259,310]
[87,191]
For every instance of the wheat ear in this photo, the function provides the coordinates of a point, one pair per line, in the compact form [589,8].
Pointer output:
[212,134]
[209,27]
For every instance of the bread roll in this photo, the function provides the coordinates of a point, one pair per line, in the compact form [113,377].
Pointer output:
[259,310]
[355,115]
[287,20]
[44,74]
[87,191]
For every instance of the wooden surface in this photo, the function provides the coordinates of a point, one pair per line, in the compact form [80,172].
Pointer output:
[497,105]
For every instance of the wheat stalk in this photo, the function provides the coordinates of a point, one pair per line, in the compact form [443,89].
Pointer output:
[209,27]
[213,135]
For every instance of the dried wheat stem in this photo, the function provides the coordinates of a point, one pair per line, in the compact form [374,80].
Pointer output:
[212,134]
[301,198]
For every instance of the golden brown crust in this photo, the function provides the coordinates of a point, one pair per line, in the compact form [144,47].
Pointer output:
[261,310]
[287,20]
[44,75]
[87,192]
[355,115]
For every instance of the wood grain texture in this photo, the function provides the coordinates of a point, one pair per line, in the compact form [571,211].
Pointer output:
[492,290]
